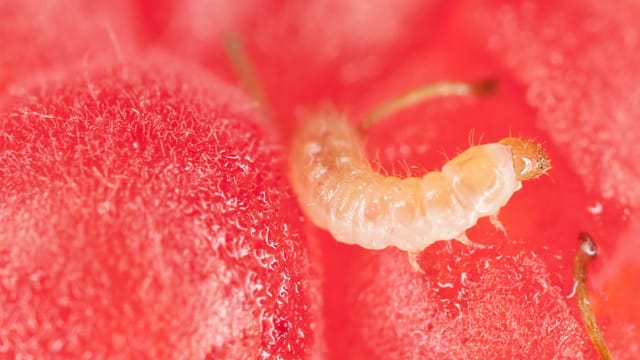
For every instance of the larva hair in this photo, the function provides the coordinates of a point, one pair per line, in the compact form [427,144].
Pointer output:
[340,192]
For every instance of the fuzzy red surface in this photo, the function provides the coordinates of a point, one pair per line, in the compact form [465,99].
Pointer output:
[566,76]
[144,215]
[38,36]
[556,87]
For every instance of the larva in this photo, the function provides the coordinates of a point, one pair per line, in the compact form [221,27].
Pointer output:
[339,191]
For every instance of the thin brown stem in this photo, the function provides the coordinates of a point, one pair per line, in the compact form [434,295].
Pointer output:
[586,252]
[245,71]
[420,94]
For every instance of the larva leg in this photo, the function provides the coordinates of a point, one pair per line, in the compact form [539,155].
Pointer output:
[413,255]
[413,260]
[415,96]
[497,224]
[465,240]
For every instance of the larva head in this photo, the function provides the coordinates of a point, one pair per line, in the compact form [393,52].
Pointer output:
[530,160]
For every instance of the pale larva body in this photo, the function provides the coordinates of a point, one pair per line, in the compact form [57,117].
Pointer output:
[340,192]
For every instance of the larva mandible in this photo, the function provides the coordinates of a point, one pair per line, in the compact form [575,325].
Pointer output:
[339,191]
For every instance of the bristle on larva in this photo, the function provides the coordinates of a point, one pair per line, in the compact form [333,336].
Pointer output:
[340,192]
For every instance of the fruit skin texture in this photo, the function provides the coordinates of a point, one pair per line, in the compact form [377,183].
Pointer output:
[143,214]
[38,36]
[566,78]
[304,52]
[580,73]
[540,52]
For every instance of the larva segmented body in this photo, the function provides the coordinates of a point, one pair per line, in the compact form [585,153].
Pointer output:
[340,192]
